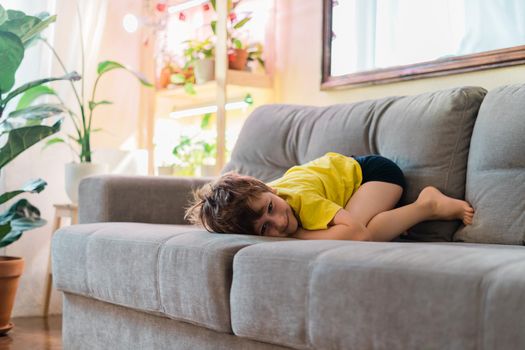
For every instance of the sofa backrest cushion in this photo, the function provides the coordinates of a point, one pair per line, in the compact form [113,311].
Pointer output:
[427,135]
[496,170]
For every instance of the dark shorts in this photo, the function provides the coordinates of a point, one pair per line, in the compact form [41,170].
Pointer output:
[377,168]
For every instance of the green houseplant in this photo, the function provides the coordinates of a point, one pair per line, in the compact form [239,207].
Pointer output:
[81,116]
[19,130]
[200,54]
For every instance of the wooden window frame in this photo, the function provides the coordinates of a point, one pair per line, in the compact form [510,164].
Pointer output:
[451,65]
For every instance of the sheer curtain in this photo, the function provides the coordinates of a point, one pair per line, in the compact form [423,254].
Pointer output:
[49,164]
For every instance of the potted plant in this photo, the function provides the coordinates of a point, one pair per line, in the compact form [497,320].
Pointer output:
[201,55]
[20,129]
[81,116]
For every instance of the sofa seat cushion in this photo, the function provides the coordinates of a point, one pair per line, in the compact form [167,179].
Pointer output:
[178,271]
[427,135]
[365,295]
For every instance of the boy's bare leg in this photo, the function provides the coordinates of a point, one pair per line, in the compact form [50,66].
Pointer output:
[430,205]
[372,198]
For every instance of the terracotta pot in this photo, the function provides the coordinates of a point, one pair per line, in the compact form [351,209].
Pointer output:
[237,59]
[11,269]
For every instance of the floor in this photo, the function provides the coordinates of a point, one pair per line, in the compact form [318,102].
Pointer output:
[35,333]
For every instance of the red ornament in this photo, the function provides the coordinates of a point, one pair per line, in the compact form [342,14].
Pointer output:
[161,6]
[206,7]
[182,16]
[232,16]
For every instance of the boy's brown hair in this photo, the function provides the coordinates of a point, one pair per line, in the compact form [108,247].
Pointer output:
[223,206]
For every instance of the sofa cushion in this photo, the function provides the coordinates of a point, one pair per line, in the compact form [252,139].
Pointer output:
[427,135]
[496,169]
[177,271]
[333,294]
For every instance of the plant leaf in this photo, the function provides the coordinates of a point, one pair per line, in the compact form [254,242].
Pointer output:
[106,66]
[53,141]
[92,104]
[22,138]
[177,78]
[241,22]
[73,76]
[213,25]
[190,89]
[35,30]
[205,122]
[3,15]
[237,43]
[39,112]
[19,23]
[11,55]
[33,186]
[20,217]
[32,94]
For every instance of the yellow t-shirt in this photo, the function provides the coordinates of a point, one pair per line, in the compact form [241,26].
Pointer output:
[318,189]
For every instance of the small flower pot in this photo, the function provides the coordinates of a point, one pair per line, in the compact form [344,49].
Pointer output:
[11,269]
[237,59]
[204,70]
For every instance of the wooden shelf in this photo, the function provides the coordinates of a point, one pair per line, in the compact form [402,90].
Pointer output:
[206,94]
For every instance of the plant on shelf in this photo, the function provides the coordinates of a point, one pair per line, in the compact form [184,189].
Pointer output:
[240,50]
[200,54]
[19,130]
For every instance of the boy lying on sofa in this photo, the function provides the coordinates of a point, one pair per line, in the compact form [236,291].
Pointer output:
[332,197]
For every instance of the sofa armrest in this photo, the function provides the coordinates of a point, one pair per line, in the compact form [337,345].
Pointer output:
[148,199]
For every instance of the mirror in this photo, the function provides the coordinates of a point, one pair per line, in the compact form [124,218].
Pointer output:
[380,41]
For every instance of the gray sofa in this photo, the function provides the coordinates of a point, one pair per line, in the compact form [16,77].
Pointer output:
[136,276]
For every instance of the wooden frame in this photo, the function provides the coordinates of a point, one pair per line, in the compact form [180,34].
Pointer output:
[446,66]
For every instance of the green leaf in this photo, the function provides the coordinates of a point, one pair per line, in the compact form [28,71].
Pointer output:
[32,94]
[20,217]
[19,25]
[212,2]
[18,140]
[11,55]
[13,14]
[33,186]
[39,112]
[241,23]
[38,27]
[53,141]
[177,78]
[205,122]
[190,89]
[92,104]
[237,43]
[214,27]
[73,76]
[106,66]
[3,15]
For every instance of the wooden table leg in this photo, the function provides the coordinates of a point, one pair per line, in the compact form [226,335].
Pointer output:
[49,275]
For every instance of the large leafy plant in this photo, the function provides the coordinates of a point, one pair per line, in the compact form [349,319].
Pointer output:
[25,125]
[82,114]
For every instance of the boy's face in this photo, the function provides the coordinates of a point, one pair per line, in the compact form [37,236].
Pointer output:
[277,219]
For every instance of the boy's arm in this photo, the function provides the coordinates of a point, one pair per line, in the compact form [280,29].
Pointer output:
[343,227]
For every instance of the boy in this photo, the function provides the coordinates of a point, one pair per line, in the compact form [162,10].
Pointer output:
[332,197]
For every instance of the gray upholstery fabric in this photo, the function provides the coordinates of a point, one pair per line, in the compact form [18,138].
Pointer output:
[427,135]
[89,324]
[496,169]
[177,271]
[364,295]
[119,198]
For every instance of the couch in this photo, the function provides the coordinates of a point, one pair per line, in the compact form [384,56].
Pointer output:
[135,275]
